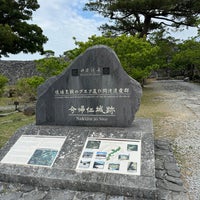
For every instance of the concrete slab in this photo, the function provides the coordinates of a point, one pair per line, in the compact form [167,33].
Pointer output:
[63,173]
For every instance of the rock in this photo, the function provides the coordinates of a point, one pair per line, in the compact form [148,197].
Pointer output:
[159,164]
[164,184]
[91,196]
[27,188]
[114,198]
[164,194]
[173,173]
[161,144]
[35,195]
[163,153]
[61,195]
[1,188]
[175,180]
[174,187]
[93,91]
[171,166]
[11,196]
[160,174]
[179,196]
[29,110]
[186,79]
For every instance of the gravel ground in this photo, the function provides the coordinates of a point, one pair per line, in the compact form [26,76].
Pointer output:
[182,127]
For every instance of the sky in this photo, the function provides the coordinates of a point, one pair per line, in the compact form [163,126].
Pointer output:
[61,20]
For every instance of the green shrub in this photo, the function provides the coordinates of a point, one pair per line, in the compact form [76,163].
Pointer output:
[28,86]
[52,66]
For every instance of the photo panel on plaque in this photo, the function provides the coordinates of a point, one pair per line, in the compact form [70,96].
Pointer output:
[132,167]
[101,155]
[93,144]
[44,157]
[98,164]
[123,157]
[84,164]
[114,166]
[132,147]
[87,154]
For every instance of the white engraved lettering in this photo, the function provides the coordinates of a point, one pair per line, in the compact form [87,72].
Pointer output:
[72,109]
[81,109]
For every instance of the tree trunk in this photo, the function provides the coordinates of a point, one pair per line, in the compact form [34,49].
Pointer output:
[147,23]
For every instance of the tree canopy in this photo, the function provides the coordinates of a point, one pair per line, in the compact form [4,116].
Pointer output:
[137,56]
[187,59]
[16,35]
[51,66]
[145,16]
[167,47]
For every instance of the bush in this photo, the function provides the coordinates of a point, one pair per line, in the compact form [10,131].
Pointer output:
[52,66]
[3,82]
[28,86]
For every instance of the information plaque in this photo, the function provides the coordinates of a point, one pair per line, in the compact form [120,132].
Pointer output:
[122,156]
[35,150]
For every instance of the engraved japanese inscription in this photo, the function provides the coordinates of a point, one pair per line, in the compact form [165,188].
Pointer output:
[93,91]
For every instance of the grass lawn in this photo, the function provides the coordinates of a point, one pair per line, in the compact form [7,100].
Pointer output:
[10,123]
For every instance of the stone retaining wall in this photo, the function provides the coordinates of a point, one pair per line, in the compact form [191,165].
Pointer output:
[169,183]
[15,70]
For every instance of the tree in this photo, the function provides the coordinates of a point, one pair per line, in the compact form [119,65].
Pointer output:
[187,59]
[167,47]
[137,56]
[16,35]
[145,16]
[51,66]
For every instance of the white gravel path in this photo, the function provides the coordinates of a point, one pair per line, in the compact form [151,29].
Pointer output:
[183,100]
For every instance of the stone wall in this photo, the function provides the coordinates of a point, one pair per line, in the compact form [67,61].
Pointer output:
[15,70]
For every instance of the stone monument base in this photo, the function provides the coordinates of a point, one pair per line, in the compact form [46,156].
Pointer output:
[63,174]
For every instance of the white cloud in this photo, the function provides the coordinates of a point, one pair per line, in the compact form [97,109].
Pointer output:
[61,20]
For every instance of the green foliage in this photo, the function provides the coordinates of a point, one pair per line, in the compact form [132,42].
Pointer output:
[51,66]
[145,16]
[187,58]
[28,86]
[167,47]
[16,35]
[188,53]
[3,82]
[137,56]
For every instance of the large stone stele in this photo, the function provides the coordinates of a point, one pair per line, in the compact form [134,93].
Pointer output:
[93,91]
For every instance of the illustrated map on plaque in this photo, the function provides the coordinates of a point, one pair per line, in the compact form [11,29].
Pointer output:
[120,156]
[93,91]
[35,150]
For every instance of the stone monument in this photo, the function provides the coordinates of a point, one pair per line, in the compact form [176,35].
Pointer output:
[85,137]
[93,91]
